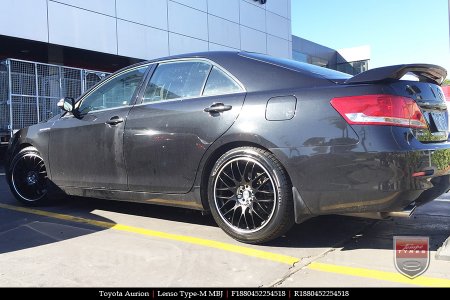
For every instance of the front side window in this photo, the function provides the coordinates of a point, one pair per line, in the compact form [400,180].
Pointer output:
[116,92]
[174,80]
[219,84]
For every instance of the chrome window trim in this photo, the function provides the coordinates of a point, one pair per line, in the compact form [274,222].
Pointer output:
[157,63]
[188,98]
[197,59]
[96,111]
[105,82]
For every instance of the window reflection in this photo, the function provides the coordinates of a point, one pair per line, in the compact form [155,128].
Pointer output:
[176,80]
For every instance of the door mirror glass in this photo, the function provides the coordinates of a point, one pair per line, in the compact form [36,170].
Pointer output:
[66,104]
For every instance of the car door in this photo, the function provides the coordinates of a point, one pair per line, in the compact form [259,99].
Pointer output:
[186,106]
[86,147]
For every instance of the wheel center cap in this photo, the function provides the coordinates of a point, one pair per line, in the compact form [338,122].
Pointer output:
[31,178]
[245,195]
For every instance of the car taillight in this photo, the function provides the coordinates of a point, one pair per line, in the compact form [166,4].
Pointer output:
[380,110]
[446,91]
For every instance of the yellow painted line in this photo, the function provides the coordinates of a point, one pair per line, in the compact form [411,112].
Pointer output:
[380,275]
[285,259]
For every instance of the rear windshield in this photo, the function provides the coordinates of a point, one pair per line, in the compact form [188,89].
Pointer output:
[298,66]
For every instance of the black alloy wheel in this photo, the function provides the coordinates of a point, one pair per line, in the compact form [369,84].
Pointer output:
[250,195]
[27,177]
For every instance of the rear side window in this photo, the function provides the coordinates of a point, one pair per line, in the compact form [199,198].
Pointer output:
[175,80]
[220,83]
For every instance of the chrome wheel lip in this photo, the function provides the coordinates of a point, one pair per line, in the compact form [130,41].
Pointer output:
[275,196]
[13,182]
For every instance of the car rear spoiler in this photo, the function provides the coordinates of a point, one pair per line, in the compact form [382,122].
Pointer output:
[425,73]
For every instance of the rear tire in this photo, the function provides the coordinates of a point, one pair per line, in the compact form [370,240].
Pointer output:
[250,195]
[27,178]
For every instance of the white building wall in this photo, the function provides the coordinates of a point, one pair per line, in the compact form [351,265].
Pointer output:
[354,54]
[152,28]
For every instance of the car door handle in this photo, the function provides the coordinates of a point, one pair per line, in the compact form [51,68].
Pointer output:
[217,108]
[114,121]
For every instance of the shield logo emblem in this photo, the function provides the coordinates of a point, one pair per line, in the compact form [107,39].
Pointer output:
[411,255]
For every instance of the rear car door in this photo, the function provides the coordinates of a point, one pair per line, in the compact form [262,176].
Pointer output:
[186,106]
[86,150]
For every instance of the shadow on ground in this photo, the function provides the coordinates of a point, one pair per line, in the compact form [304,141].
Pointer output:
[19,230]
[349,233]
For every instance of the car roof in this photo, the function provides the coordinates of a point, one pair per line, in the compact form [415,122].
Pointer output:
[261,72]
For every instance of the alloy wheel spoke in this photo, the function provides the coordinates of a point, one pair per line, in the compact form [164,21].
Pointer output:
[234,212]
[251,173]
[240,217]
[264,192]
[250,212]
[258,176]
[226,189]
[245,218]
[232,171]
[256,213]
[239,170]
[229,187]
[262,208]
[227,200]
[263,200]
[243,173]
[260,185]
[232,179]
[245,194]
[230,210]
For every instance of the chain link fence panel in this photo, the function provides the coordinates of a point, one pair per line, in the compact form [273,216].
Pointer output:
[30,91]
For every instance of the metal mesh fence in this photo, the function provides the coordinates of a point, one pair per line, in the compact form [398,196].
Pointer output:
[71,85]
[36,89]
[92,78]
[3,82]
[23,78]
[48,108]
[4,86]
[48,81]
[24,111]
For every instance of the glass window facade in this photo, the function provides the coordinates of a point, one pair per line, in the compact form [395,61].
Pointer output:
[314,60]
[352,62]
[354,67]
[301,57]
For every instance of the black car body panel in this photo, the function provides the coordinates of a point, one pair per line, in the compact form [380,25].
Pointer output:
[155,134]
[163,152]
[84,169]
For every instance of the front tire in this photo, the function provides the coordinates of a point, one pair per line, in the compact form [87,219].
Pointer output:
[27,177]
[250,195]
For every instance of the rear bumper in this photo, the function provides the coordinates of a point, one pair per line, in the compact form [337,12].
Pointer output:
[366,178]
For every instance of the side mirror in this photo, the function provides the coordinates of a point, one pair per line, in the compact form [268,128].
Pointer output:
[67,104]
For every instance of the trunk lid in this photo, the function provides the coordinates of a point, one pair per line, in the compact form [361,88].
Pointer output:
[431,100]
[427,93]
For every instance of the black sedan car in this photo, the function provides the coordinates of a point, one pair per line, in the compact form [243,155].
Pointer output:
[260,142]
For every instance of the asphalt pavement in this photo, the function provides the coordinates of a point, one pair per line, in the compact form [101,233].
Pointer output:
[88,242]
